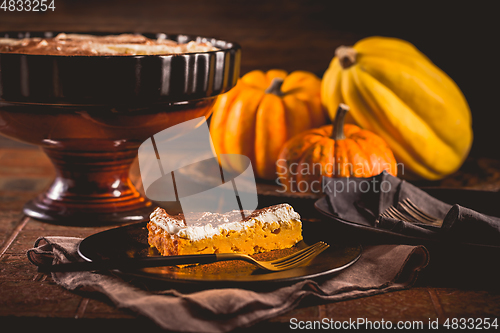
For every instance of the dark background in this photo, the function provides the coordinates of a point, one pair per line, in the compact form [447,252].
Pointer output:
[461,39]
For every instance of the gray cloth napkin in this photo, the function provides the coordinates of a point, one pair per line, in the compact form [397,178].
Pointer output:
[362,200]
[380,269]
[467,225]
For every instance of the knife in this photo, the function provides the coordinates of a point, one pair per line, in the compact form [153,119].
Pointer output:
[130,263]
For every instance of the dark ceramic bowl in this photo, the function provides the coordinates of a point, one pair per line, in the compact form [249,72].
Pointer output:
[91,113]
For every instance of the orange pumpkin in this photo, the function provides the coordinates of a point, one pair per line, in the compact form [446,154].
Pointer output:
[336,150]
[262,112]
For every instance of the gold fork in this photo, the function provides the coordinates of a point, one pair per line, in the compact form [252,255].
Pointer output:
[416,215]
[295,259]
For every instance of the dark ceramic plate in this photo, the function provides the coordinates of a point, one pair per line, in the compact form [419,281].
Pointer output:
[131,241]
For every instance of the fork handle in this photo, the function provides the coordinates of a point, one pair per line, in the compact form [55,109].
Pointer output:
[234,256]
[131,263]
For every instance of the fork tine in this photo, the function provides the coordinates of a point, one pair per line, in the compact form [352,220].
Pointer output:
[414,214]
[408,203]
[281,264]
[399,215]
[304,259]
[393,213]
[293,255]
[298,256]
[305,254]
[424,217]
[385,214]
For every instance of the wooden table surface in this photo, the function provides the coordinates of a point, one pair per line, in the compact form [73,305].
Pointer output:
[29,298]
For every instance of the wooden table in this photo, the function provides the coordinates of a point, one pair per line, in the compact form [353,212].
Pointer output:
[29,298]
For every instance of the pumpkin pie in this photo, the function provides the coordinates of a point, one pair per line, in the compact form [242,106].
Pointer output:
[267,229]
[82,44]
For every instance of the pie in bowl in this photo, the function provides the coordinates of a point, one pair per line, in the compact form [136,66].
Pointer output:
[267,229]
[84,44]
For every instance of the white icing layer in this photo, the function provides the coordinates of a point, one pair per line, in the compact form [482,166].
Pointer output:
[210,224]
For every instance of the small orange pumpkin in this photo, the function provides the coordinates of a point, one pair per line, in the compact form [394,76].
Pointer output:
[336,150]
[262,112]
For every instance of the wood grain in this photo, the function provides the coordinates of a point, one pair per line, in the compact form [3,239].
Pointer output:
[34,299]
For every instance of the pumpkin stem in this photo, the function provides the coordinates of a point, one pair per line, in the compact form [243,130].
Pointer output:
[275,87]
[338,123]
[347,56]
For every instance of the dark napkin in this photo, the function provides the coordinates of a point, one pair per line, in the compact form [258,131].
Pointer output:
[467,225]
[380,269]
[362,200]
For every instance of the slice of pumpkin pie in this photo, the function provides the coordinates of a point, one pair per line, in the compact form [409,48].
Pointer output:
[267,229]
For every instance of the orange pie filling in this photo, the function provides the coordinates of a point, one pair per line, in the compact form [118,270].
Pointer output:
[267,229]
